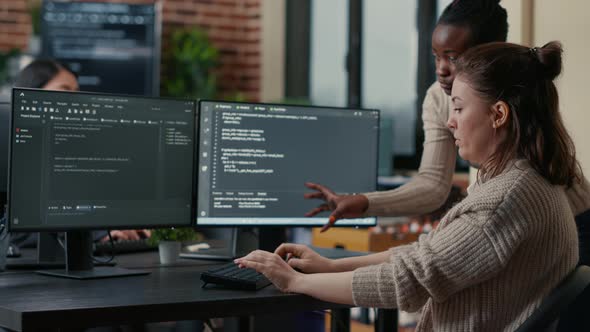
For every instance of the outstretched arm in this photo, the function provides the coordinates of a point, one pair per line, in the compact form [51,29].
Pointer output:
[428,190]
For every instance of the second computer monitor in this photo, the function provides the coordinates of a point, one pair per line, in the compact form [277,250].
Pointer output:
[254,159]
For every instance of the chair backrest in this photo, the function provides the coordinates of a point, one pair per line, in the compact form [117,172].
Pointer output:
[583,225]
[562,303]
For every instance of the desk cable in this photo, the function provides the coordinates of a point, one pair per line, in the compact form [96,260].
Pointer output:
[94,259]
[3,230]
[110,259]
[211,326]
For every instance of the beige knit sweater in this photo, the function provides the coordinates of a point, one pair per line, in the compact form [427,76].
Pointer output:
[429,189]
[488,265]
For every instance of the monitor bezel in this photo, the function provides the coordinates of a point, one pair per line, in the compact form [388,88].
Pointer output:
[11,227]
[154,89]
[4,191]
[9,113]
[303,225]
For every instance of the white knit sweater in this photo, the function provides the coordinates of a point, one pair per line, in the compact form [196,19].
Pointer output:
[429,189]
[490,262]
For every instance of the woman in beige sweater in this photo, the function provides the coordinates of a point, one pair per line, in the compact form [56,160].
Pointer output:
[499,252]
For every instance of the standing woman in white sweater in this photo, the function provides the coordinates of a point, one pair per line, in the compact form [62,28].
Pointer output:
[500,251]
[463,24]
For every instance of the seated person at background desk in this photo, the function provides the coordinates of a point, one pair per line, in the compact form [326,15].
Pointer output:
[50,75]
[462,24]
[500,251]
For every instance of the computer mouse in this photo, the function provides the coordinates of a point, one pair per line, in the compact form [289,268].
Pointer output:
[12,251]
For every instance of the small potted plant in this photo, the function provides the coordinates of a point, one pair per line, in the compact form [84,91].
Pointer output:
[169,241]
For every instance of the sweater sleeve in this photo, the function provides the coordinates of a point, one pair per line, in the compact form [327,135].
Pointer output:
[460,255]
[428,190]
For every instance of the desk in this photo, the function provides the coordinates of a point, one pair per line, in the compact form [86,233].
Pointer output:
[32,302]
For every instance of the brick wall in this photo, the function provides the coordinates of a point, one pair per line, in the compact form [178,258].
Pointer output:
[232,25]
[15,24]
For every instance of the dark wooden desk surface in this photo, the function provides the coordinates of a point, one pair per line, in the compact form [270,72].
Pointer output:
[29,301]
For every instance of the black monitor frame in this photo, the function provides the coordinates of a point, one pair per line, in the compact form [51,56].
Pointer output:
[11,227]
[78,246]
[273,227]
[5,107]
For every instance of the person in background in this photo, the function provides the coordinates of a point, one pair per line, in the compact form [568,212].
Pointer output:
[463,24]
[49,74]
[501,250]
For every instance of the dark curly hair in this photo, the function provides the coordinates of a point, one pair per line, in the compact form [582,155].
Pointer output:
[485,19]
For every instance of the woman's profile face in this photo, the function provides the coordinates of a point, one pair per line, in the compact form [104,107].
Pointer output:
[448,43]
[64,80]
[471,123]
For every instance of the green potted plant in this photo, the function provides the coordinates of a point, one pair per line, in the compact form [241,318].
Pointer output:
[189,60]
[169,241]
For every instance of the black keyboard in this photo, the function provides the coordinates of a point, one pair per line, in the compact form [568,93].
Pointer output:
[123,247]
[231,276]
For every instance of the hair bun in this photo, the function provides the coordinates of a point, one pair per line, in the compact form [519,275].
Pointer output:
[550,58]
[491,3]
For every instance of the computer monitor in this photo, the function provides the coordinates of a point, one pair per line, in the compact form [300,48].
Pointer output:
[4,132]
[84,161]
[113,47]
[253,161]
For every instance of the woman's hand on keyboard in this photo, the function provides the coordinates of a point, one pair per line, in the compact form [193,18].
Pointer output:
[273,267]
[304,259]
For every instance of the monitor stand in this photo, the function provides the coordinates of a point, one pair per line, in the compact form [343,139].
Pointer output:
[79,265]
[269,238]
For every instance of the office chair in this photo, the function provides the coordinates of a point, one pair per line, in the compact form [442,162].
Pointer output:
[563,309]
[583,226]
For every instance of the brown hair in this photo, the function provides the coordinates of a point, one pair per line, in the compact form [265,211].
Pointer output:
[523,77]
